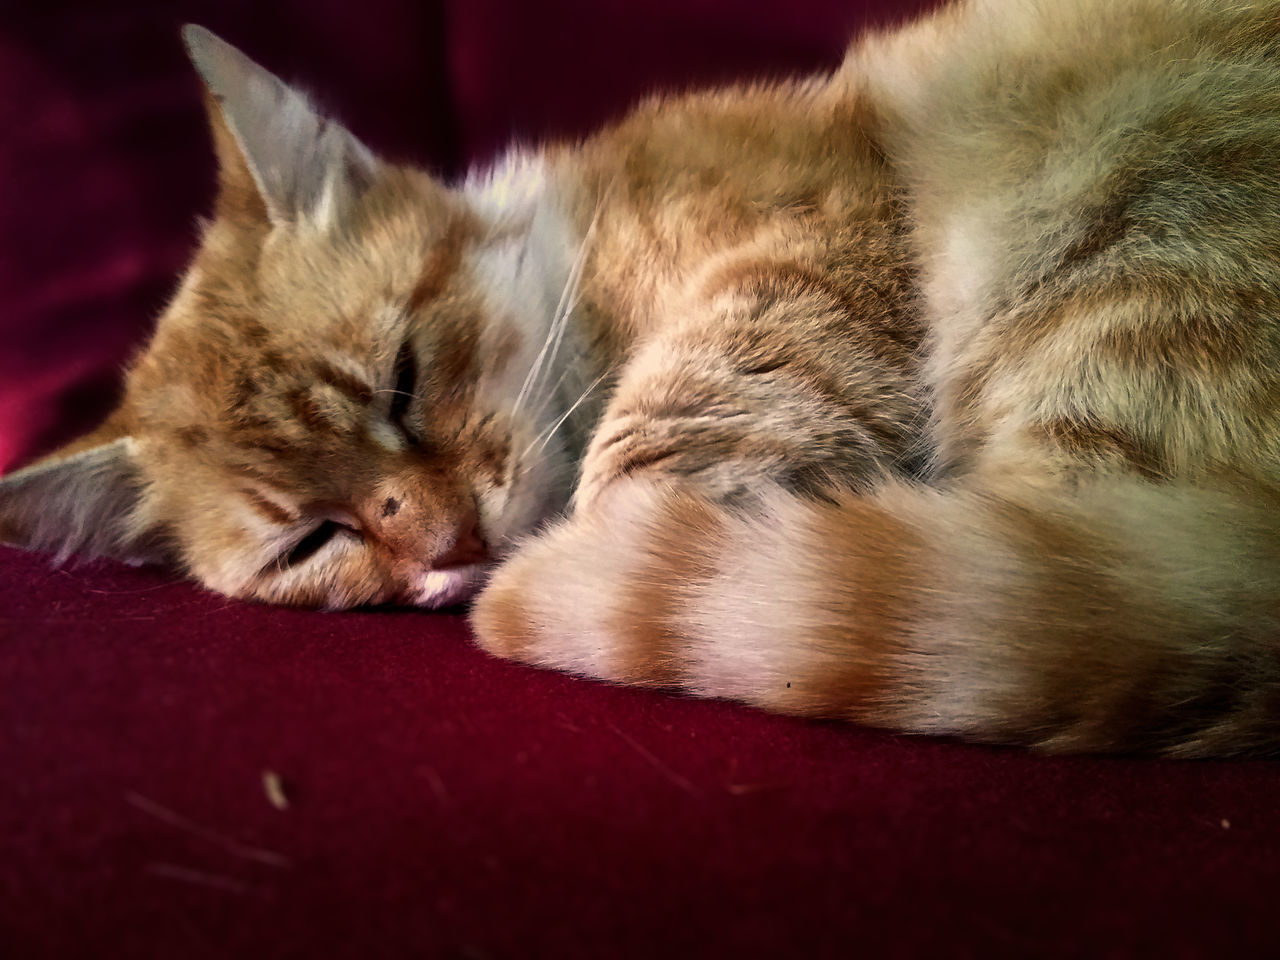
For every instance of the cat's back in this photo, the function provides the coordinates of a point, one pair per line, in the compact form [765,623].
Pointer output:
[989,96]
[974,60]
[1130,130]
[687,178]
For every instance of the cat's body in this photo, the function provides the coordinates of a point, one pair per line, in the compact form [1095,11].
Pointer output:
[942,393]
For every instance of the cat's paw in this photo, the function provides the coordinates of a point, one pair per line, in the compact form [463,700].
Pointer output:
[603,593]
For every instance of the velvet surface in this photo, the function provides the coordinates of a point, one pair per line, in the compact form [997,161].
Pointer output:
[437,802]
[441,803]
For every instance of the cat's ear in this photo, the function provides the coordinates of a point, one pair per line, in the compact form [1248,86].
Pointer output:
[305,168]
[81,501]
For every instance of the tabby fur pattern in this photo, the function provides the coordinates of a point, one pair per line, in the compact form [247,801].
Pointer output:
[940,393]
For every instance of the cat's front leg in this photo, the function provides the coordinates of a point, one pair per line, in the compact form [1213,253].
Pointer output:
[765,388]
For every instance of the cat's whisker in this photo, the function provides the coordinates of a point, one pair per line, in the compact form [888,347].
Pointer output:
[551,392]
[400,393]
[566,310]
[554,332]
[570,297]
[560,317]
[564,417]
[535,368]
[550,429]
[573,291]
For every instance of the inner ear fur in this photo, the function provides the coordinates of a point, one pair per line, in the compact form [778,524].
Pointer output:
[303,168]
[239,199]
[83,499]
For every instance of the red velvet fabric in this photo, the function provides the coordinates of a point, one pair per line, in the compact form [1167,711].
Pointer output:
[439,802]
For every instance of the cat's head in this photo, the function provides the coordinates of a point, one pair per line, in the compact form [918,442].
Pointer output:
[343,403]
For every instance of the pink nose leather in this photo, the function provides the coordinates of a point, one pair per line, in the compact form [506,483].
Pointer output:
[467,548]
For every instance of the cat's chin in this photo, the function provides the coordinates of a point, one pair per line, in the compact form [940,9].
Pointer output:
[449,588]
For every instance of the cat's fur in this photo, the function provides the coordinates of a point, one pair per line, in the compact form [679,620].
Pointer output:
[942,393]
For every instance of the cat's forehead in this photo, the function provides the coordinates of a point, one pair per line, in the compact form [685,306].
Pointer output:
[300,291]
[221,341]
[354,279]
[299,344]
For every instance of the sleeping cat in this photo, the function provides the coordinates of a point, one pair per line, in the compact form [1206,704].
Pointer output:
[941,393]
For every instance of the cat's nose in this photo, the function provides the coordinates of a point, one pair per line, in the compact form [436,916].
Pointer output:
[467,547]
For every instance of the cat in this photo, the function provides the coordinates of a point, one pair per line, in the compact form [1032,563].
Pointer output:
[938,393]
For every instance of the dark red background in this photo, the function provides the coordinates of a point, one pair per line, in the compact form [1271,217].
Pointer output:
[443,803]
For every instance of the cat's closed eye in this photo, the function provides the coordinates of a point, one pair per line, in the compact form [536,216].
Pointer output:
[406,371]
[315,541]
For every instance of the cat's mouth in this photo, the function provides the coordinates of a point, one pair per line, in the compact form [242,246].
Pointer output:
[446,588]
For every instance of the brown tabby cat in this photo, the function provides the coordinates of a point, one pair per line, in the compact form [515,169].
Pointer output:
[942,393]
